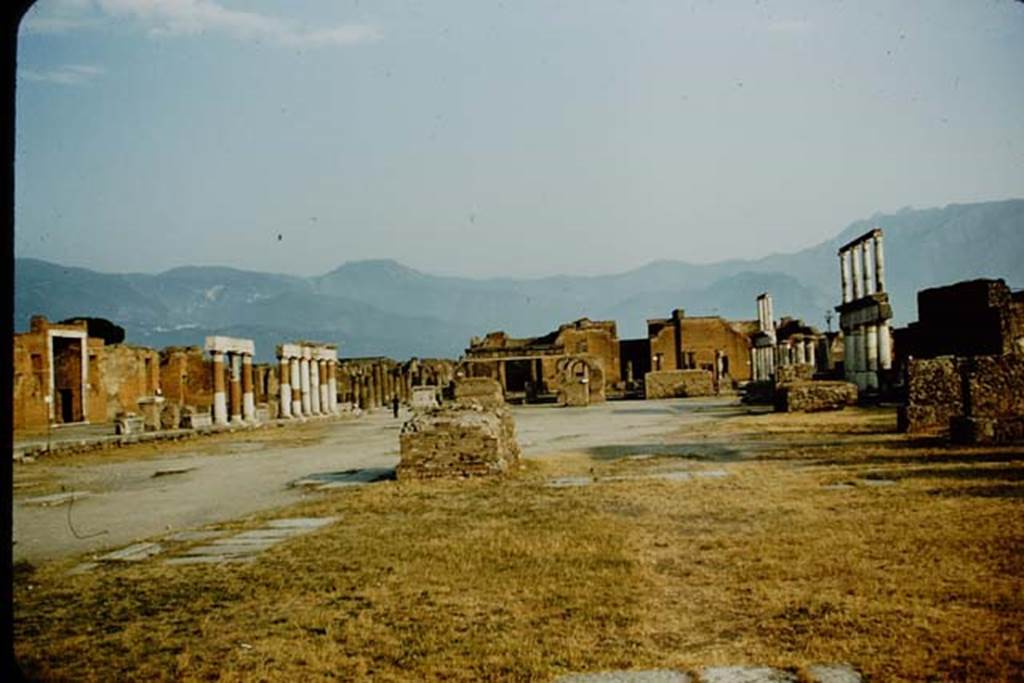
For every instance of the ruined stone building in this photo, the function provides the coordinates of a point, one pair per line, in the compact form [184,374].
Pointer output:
[56,375]
[708,344]
[865,312]
[963,361]
[577,364]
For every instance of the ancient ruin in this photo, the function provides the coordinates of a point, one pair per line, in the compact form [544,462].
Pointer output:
[308,379]
[865,312]
[682,349]
[536,369]
[762,351]
[813,396]
[964,363]
[64,376]
[232,379]
[373,382]
[471,437]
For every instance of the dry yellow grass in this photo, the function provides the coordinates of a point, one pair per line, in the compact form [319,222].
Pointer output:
[515,580]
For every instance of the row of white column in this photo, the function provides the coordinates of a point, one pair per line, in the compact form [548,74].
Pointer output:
[233,399]
[796,352]
[866,350]
[867,347]
[862,268]
[308,381]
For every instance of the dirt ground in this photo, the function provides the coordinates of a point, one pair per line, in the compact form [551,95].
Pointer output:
[675,534]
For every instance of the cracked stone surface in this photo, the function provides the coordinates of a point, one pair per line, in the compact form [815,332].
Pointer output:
[652,676]
[133,553]
[745,674]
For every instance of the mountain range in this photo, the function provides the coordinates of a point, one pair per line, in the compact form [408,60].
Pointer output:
[382,307]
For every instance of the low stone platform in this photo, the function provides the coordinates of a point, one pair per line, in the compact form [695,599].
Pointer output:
[813,396]
[481,391]
[678,384]
[458,442]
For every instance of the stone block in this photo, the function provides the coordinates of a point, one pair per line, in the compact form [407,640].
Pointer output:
[481,391]
[458,442]
[424,397]
[152,409]
[170,416]
[794,373]
[129,423]
[678,383]
[809,397]
[194,419]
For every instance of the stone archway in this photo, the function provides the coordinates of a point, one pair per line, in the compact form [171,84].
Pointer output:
[580,381]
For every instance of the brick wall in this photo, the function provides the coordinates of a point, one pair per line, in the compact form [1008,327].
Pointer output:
[678,384]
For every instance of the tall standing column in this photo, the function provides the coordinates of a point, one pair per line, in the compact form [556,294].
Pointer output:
[304,376]
[285,387]
[295,367]
[811,352]
[844,276]
[871,355]
[869,269]
[848,356]
[879,262]
[220,404]
[378,382]
[884,346]
[364,392]
[248,399]
[332,386]
[321,370]
[235,387]
[314,386]
[856,262]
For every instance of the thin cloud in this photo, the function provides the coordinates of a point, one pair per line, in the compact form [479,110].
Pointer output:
[65,74]
[194,17]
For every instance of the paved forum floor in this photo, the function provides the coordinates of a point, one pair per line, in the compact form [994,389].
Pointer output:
[126,503]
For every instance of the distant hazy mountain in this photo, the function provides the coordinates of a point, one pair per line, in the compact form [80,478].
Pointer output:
[383,307]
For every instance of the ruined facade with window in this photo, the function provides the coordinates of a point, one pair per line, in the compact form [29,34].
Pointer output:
[536,368]
[708,344]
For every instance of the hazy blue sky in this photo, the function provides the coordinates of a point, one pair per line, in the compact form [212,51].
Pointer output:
[512,138]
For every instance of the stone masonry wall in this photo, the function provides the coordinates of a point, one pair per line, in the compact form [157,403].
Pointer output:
[481,391]
[793,373]
[809,397]
[458,442]
[934,395]
[678,384]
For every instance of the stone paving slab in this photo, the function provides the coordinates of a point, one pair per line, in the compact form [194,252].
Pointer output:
[265,534]
[133,553]
[818,673]
[834,673]
[229,548]
[745,674]
[652,676]
[187,536]
[301,522]
[57,498]
[211,559]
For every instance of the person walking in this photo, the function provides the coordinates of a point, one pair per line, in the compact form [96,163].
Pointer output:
[394,405]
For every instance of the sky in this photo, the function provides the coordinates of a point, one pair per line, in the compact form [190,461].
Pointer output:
[513,138]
